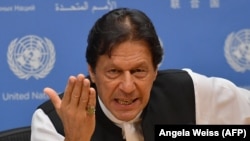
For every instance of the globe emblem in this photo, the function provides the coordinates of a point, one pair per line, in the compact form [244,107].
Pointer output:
[237,50]
[31,56]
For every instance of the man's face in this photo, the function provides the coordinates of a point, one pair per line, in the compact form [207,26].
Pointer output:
[125,79]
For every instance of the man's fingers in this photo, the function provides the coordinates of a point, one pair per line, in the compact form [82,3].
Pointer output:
[84,95]
[92,97]
[77,90]
[68,90]
[92,101]
[56,100]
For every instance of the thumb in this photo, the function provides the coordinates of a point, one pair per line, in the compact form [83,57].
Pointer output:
[56,100]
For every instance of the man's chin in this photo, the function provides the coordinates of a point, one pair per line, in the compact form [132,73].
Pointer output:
[126,116]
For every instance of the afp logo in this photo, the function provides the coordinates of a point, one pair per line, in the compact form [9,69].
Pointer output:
[31,56]
[237,50]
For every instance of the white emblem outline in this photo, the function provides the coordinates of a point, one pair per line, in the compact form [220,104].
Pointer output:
[228,51]
[22,75]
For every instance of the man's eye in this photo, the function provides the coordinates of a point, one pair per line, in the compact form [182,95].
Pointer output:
[139,72]
[113,73]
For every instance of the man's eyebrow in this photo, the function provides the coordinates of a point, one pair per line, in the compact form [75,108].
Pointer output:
[139,64]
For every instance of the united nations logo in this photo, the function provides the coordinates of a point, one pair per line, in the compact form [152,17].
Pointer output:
[237,50]
[31,56]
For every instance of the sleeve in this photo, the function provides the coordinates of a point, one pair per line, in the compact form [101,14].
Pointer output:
[42,128]
[219,101]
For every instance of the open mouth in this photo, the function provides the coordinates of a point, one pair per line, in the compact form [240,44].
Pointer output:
[125,102]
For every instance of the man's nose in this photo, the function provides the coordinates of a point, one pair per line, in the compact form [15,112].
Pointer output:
[127,83]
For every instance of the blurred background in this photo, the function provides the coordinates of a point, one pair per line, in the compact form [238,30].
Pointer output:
[42,43]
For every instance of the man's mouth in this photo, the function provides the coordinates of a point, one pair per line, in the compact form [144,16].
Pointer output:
[125,102]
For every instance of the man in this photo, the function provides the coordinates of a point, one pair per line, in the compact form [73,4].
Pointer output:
[125,94]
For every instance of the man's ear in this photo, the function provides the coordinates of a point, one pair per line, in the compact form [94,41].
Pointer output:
[91,73]
[156,72]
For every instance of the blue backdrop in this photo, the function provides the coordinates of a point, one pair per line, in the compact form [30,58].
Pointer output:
[43,42]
